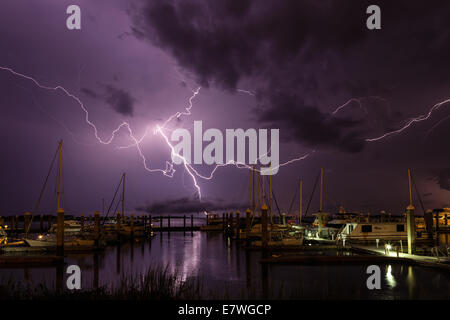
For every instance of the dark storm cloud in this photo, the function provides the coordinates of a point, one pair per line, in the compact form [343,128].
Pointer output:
[119,99]
[443,179]
[314,49]
[188,205]
[222,41]
[299,122]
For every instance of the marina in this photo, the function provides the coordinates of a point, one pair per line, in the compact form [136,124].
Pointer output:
[225,158]
[262,239]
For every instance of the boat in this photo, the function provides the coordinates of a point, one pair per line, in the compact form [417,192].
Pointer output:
[368,232]
[3,237]
[49,241]
[213,222]
[71,227]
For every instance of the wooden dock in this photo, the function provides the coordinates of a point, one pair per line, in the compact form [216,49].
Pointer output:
[425,261]
[335,260]
[12,261]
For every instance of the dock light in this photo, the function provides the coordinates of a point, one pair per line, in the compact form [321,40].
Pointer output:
[40,237]
[6,226]
[387,248]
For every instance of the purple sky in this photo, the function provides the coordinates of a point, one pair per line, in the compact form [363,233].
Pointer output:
[136,61]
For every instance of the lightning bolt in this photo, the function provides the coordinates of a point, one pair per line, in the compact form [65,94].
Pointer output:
[359,102]
[410,122]
[169,169]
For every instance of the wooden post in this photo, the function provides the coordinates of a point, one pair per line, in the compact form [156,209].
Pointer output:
[184,224]
[26,223]
[132,225]
[224,222]
[60,233]
[410,221]
[41,223]
[97,228]
[160,223]
[264,226]
[248,212]
[49,222]
[82,222]
[232,225]
[118,224]
[168,223]
[17,223]
[192,225]
[411,229]
[436,215]
[238,224]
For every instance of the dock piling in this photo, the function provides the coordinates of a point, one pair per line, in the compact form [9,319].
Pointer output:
[264,226]
[118,225]
[60,233]
[410,221]
[238,224]
[97,228]
[82,222]
[411,229]
[132,225]
[247,220]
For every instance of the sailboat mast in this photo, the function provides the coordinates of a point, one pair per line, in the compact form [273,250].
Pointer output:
[321,189]
[263,191]
[300,211]
[123,194]
[410,191]
[59,176]
[258,203]
[271,198]
[253,190]
[250,173]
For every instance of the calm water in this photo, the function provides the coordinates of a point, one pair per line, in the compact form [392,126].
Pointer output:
[227,270]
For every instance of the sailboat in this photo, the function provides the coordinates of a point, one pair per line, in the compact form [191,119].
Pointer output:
[69,237]
[279,234]
[374,231]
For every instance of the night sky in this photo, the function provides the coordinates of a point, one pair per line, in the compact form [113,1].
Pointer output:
[138,61]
